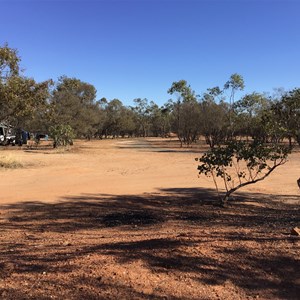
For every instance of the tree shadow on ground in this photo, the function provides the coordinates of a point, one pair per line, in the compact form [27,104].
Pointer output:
[163,146]
[175,231]
[143,148]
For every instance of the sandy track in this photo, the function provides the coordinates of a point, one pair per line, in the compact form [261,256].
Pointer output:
[119,167]
[105,167]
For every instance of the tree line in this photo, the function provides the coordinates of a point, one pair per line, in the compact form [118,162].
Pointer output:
[215,114]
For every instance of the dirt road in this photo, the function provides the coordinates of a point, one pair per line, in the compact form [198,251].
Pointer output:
[119,167]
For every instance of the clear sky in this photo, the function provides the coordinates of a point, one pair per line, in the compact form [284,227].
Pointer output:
[135,49]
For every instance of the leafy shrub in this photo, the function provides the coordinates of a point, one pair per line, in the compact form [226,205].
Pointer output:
[62,135]
[240,163]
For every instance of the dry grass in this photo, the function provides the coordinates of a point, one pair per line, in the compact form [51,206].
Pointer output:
[62,149]
[10,161]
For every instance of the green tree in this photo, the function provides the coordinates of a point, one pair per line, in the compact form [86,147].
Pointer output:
[20,97]
[159,120]
[239,164]
[281,119]
[128,123]
[234,84]
[249,114]
[73,103]
[62,135]
[9,62]
[214,121]
[286,114]
[186,112]
[114,109]
[142,112]
[214,116]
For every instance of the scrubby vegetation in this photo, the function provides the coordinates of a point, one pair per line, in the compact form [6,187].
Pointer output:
[9,162]
[63,135]
[239,164]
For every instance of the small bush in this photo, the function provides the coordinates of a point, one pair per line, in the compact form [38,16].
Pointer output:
[239,164]
[62,135]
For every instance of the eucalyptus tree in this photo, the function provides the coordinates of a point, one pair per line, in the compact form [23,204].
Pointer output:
[283,118]
[20,96]
[218,115]
[142,113]
[186,112]
[112,125]
[9,63]
[73,103]
[162,119]
[233,85]
[128,124]
[250,111]
[214,122]
[291,113]
[159,120]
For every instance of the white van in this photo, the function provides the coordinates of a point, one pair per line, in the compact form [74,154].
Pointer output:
[6,135]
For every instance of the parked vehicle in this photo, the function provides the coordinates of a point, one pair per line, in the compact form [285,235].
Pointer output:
[7,135]
[41,136]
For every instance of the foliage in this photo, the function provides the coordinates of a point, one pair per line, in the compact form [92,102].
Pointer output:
[160,124]
[62,135]
[186,112]
[127,122]
[20,96]
[73,103]
[282,120]
[9,62]
[214,119]
[116,119]
[218,116]
[235,83]
[250,112]
[239,164]
[183,91]
[142,113]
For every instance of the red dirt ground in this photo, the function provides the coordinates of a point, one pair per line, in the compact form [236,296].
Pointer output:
[130,219]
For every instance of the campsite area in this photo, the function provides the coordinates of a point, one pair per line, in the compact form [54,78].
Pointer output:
[131,219]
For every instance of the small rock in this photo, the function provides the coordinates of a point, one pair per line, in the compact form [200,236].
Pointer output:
[295,231]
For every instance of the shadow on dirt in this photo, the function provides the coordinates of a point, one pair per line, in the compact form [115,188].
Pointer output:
[164,146]
[177,231]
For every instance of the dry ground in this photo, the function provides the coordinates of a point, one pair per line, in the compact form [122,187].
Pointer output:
[130,219]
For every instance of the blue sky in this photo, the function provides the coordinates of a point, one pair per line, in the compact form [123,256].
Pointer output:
[135,49]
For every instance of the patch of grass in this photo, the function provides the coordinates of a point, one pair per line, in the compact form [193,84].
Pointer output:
[9,162]
[62,149]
